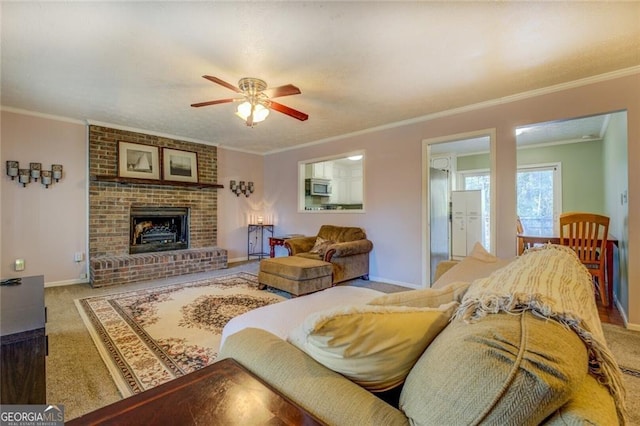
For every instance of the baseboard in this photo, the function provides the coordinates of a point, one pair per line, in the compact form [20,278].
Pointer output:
[634,327]
[239,259]
[623,314]
[398,283]
[66,282]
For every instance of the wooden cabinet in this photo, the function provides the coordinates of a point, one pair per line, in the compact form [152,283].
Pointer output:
[321,170]
[23,342]
[347,185]
[357,185]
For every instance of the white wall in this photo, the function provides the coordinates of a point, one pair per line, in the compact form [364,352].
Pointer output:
[234,211]
[45,227]
[393,167]
[616,173]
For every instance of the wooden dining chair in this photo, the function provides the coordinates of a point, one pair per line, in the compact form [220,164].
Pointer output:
[519,240]
[586,234]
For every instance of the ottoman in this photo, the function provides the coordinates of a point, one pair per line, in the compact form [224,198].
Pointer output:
[295,275]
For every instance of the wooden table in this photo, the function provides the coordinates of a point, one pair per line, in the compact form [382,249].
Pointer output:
[224,393]
[279,241]
[532,240]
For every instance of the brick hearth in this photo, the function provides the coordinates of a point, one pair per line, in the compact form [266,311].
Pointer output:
[110,270]
[110,204]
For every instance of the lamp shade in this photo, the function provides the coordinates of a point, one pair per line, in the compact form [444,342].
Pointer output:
[260,113]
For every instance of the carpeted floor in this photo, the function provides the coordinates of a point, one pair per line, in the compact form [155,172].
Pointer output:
[78,378]
[625,345]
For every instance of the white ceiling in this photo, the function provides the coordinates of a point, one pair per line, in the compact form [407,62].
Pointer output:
[359,65]
[574,130]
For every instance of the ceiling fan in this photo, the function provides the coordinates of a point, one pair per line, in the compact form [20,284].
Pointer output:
[256,99]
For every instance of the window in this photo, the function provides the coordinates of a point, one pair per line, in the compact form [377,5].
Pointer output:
[333,184]
[539,198]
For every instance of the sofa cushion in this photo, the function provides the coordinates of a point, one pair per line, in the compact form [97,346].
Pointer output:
[479,252]
[280,318]
[375,346]
[590,404]
[518,369]
[427,298]
[327,395]
[341,234]
[295,268]
[477,265]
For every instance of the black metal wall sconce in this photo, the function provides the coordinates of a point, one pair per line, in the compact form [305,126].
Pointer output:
[241,188]
[34,172]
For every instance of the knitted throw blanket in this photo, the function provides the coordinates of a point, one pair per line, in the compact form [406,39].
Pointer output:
[551,282]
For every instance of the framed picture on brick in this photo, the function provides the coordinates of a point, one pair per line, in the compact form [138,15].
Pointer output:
[138,161]
[179,165]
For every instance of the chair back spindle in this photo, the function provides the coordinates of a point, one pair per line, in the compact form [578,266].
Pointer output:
[586,234]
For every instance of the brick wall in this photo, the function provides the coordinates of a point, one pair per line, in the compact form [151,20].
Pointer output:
[110,202]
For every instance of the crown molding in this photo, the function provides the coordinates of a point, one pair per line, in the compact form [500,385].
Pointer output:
[41,115]
[481,105]
[149,132]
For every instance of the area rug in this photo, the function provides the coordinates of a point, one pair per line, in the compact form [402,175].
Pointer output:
[148,337]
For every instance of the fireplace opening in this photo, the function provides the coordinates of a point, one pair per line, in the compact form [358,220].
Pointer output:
[158,229]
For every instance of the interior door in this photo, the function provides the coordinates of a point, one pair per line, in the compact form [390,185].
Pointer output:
[439,214]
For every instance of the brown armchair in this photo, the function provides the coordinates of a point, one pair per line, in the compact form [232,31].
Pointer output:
[346,248]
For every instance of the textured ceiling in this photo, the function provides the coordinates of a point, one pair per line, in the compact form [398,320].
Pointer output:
[359,64]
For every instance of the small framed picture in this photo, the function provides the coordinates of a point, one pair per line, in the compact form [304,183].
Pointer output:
[138,161]
[179,165]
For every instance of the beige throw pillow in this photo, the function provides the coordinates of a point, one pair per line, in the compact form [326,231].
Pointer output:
[479,252]
[469,269]
[427,298]
[374,346]
[320,246]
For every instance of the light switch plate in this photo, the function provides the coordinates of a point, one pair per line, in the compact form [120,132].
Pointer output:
[19,265]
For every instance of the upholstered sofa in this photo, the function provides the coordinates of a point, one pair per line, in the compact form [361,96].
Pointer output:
[521,358]
[346,248]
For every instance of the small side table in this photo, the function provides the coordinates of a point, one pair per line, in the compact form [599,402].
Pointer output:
[279,241]
[257,233]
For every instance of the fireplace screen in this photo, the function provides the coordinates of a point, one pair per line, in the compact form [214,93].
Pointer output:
[159,229]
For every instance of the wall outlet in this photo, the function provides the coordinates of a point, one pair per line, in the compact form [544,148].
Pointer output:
[19,265]
[79,256]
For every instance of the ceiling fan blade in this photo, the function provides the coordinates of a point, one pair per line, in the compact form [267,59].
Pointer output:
[285,90]
[222,83]
[289,111]
[219,101]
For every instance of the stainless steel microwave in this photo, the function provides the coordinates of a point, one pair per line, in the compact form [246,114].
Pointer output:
[320,187]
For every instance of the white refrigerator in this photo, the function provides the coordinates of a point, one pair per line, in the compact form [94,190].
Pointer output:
[466,222]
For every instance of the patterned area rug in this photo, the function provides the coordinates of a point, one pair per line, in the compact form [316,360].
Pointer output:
[148,337]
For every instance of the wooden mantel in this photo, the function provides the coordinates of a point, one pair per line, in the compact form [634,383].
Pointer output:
[136,181]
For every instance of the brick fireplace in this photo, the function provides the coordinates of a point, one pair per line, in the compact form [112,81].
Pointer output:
[112,203]
[153,229]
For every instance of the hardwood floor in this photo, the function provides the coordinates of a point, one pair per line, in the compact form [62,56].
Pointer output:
[609,314]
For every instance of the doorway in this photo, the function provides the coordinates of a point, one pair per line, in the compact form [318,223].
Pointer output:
[445,161]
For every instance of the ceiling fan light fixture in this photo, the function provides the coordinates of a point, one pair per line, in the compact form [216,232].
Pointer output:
[260,112]
[255,103]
